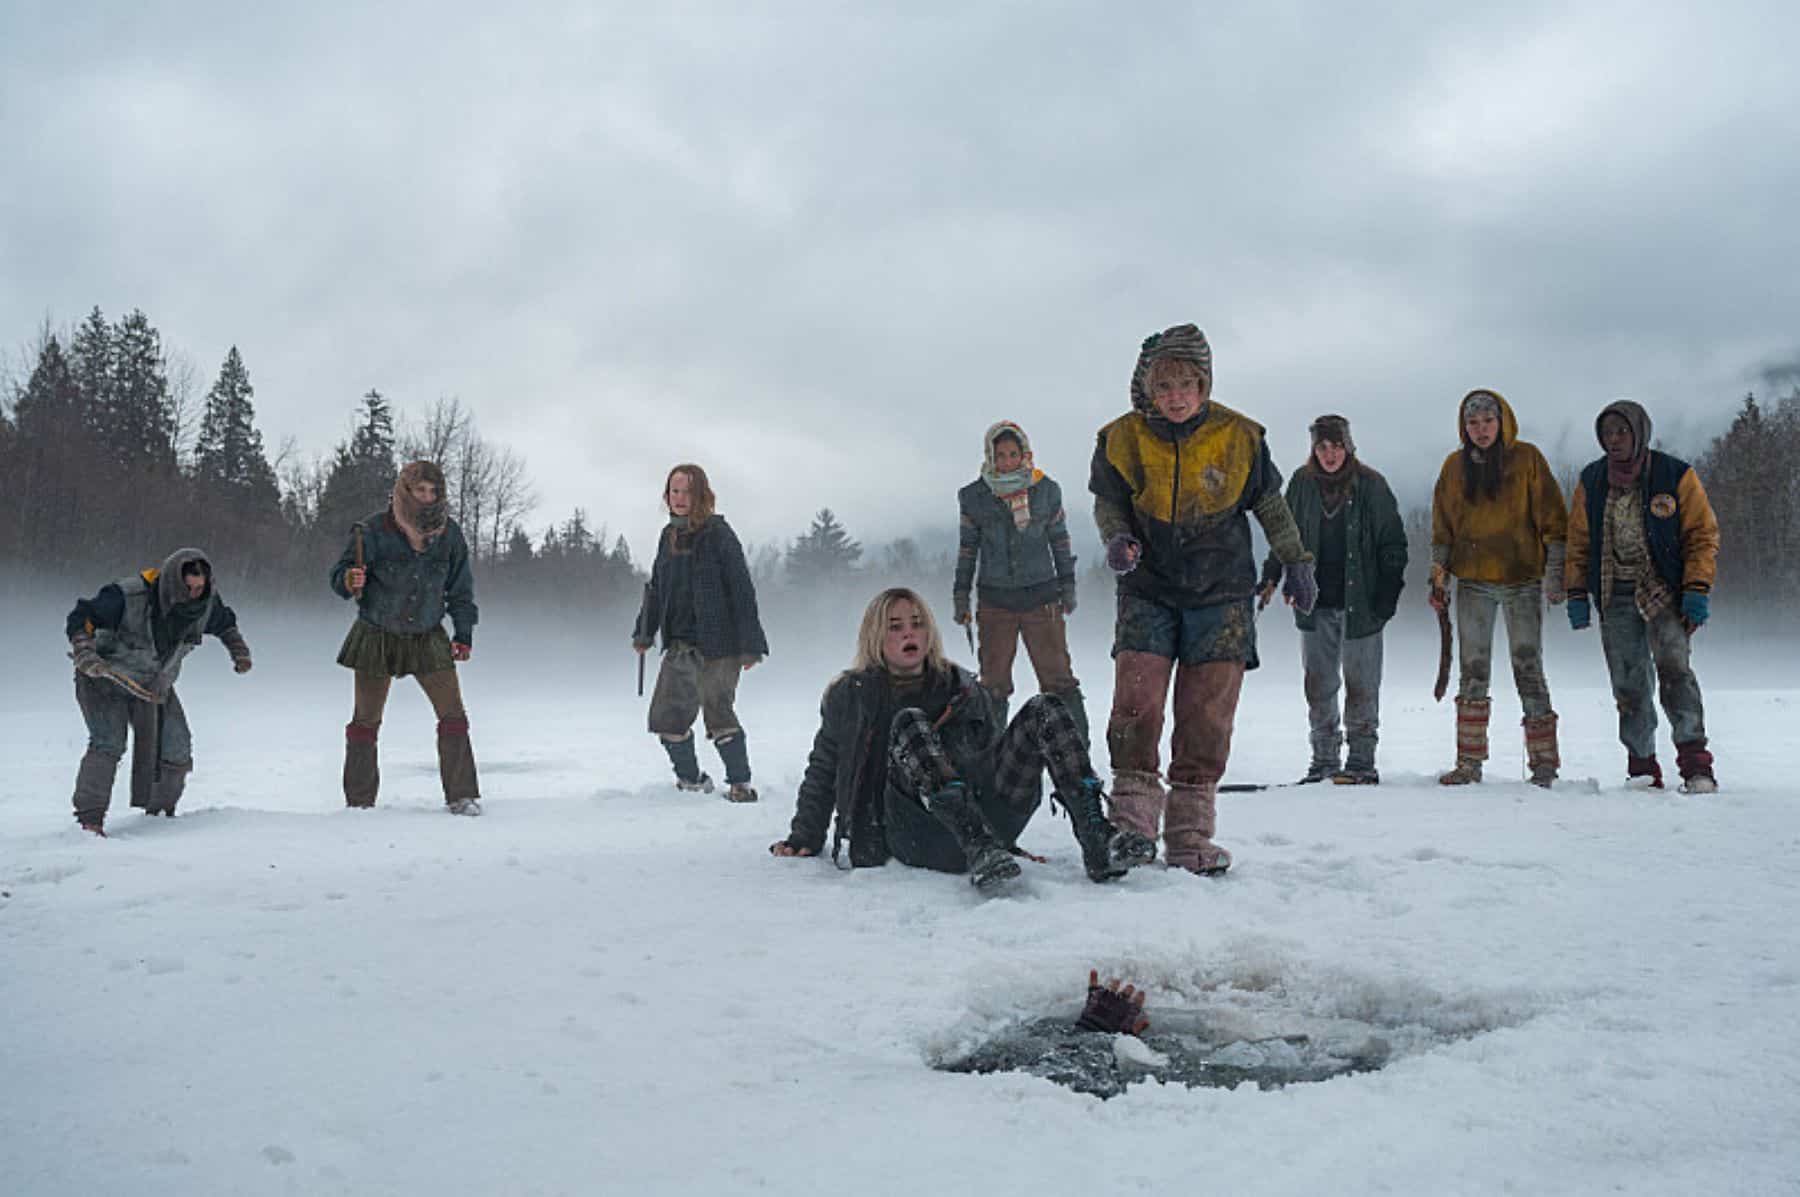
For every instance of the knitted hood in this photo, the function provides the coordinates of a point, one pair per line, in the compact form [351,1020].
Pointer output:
[1183,343]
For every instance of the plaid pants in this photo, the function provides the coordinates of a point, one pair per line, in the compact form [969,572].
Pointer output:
[1043,735]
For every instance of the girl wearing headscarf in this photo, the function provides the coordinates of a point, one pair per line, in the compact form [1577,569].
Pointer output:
[1015,553]
[406,567]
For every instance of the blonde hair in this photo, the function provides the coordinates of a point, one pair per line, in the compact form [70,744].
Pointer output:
[874,629]
[701,501]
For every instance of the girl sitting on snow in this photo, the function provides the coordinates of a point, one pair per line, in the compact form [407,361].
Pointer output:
[914,764]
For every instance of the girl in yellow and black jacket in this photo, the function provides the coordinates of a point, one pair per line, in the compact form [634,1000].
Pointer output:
[1173,481]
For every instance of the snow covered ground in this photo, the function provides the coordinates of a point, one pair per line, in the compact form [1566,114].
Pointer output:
[606,986]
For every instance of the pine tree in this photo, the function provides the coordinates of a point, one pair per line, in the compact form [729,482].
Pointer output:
[229,460]
[361,476]
[824,551]
[48,464]
[50,409]
[137,418]
[91,364]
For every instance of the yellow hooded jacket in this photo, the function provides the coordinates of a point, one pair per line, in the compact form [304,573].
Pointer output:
[1504,540]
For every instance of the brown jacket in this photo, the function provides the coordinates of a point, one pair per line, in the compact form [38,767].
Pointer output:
[1506,539]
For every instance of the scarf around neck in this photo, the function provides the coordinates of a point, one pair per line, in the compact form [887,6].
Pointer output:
[419,522]
[1014,489]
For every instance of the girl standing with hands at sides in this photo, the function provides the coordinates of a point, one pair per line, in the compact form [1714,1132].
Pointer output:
[701,598]
[1499,527]
[1013,526]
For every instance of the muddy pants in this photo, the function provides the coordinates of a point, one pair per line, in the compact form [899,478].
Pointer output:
[456,757]
[162,750]
[690,685]
[1043,736]
[1046,636]
[1479,605]
[1206,650]
[1332,663]
[1632,648]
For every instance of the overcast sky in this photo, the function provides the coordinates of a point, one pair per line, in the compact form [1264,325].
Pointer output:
[820,247]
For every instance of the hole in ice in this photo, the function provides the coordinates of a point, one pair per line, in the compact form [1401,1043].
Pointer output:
[1180,1049]
[1272,1024]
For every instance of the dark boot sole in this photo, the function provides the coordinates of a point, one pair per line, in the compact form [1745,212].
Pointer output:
[995,876]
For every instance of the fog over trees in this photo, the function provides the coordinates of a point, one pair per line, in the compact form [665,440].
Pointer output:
[111,455]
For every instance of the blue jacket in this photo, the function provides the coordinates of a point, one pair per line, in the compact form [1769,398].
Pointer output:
[407,592]
[1020,568]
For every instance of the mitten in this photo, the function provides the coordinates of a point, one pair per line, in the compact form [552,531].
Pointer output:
[1694,607]
[1580,613]
[1300,586]
[1122,551]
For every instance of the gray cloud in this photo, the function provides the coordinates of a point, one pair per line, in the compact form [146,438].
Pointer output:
[819,248]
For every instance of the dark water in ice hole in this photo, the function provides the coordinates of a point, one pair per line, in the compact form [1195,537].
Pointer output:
[1191,1053]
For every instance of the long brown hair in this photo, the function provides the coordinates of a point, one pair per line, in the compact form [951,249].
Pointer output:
[700,493]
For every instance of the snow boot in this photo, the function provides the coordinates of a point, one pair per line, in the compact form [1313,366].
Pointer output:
[1356,775]
[1137,802]
[93,787]
[1317,771]
[1540,749]
[94,823]
[688,778]
[1471,742]
[165,790]
[463,806]
[1646,768]
[456,764]
[1696,766]
[1188,831]
[989,861]
[736,755]
[1106,851]
[362,766]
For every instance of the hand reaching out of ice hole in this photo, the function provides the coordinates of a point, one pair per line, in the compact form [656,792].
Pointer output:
[1112,1009]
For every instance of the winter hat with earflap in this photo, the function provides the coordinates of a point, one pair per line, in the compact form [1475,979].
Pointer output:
[1182,343]
[1332,429]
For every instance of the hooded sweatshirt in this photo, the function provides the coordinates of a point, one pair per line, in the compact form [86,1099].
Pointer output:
[144,624]
[1184,491]
[1503,539]
[1681,532]
[1014,528]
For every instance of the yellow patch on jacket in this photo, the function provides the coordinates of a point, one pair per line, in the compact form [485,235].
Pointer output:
[1200,478]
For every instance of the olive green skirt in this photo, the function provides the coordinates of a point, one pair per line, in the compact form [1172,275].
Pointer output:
[369,649]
